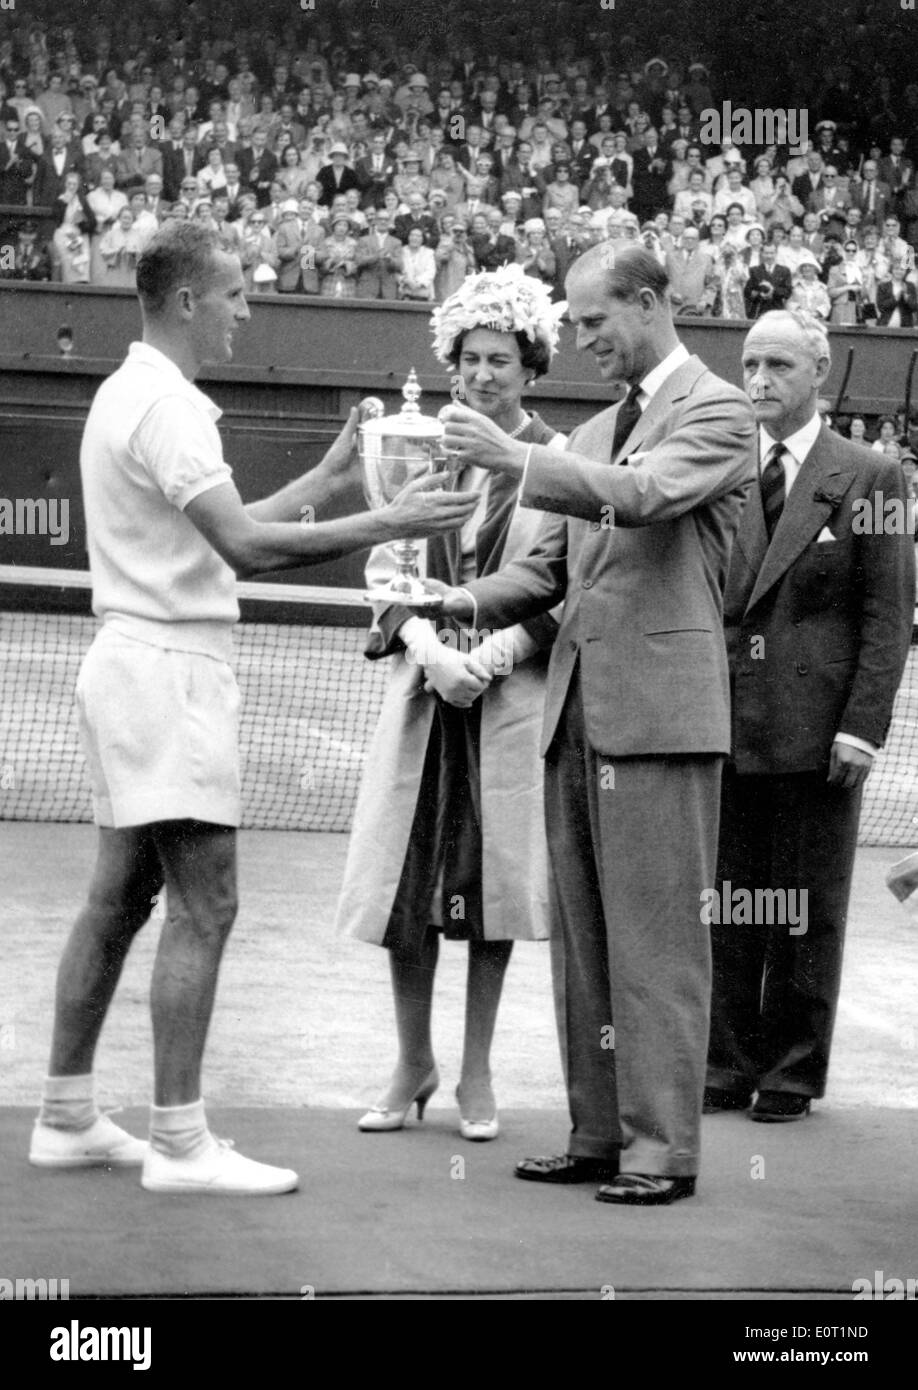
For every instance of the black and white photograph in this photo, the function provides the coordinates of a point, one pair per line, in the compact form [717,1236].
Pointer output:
[458,711]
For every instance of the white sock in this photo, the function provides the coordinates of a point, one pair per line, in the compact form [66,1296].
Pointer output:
[179,1130]
[68,1102]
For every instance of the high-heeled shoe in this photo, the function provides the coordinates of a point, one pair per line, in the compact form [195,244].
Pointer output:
[381,1117]
[477,1130]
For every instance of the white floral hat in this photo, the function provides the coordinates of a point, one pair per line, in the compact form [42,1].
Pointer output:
[505,300]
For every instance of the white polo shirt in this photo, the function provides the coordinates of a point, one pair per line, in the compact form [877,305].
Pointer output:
[150,447]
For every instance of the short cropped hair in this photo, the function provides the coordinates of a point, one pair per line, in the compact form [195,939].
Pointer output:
[180,253]
[626,271]
[817,339]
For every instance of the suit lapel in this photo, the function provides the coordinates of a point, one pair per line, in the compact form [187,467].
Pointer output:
[675,388]
[805,513]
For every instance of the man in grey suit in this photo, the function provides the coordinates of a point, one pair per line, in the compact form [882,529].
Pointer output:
[818,613]
[646,500]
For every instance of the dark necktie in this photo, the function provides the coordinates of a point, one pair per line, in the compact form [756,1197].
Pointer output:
[773,488]
[629,413]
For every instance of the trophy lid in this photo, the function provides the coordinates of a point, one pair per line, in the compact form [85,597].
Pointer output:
[409,423]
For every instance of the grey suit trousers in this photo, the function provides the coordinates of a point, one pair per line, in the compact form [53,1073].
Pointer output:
[632,844]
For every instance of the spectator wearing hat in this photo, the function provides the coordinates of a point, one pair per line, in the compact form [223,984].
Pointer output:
[35,141]
[212,175]
[439,210]
[288,246]
[716,167]
[337,259]
[119,251]
[413,95]
[418,217]
[535,254]
[336,177]
[809,293]
[827,148]
[30,258]
[375,171]
[732,274]
[419,268]
[410,179]
[379,261]
[697,89]
[784,208]
[74,223]
[830,203]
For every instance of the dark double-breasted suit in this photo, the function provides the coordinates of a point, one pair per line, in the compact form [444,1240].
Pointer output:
[818,624]
[635,728]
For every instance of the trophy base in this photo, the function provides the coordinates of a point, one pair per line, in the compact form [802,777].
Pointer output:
[407,595]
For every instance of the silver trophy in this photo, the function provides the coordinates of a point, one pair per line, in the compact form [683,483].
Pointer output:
[394,450]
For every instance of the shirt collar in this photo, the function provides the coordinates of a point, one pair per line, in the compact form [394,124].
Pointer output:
[148,356]
[798,444]
[654,379]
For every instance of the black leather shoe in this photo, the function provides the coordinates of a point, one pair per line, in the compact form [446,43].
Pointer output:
[646,1190]
[716,1099]
[777,1107]
[566,1168]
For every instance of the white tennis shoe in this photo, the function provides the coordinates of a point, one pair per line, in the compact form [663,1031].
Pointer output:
[218,1170]
[103,1144]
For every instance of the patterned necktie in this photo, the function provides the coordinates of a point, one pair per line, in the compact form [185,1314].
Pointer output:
[629,413]
[773,487]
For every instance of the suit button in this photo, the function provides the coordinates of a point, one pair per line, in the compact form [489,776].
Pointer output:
[588,584]
[573,645]
[802,668]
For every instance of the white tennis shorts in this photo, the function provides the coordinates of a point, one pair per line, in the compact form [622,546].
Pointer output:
[160,733]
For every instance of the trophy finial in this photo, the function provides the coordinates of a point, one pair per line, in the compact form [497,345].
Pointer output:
[412,393]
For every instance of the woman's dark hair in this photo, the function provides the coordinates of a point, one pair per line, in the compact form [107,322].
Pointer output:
[535,356]
[180,253]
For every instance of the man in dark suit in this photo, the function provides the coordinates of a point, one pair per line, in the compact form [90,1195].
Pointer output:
[872,197]
[818,615]
[16,163]
[650,175]
[258,168]
[416,216]
[769,285]
[806,185]
[636,717]
[375,172]
[53,167]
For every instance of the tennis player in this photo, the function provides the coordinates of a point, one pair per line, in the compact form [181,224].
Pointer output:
[168,535]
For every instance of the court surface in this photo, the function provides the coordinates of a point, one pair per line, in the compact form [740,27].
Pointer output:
[303,1040]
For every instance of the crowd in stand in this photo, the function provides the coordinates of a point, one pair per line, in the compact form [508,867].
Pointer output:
[392,179]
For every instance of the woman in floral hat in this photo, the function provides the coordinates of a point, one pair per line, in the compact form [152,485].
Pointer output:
[448,837]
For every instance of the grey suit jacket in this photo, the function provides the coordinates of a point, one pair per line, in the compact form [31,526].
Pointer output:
[639,551]
[818,630]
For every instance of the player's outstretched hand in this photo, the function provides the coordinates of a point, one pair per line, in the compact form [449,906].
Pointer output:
[422,508]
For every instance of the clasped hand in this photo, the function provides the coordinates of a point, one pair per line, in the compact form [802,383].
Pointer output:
[456,677]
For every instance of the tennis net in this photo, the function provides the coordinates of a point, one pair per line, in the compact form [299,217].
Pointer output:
[310,701]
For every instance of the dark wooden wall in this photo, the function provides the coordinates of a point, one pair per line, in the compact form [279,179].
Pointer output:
[298,367]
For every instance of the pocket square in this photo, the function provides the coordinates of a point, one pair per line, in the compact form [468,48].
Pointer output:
[825,535]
